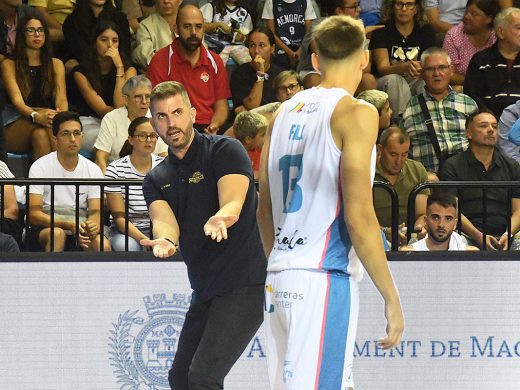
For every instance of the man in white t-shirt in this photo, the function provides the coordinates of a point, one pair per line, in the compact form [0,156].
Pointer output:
[65,163]
[441,222]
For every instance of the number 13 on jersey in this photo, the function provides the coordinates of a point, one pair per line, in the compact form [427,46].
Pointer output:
[291,167]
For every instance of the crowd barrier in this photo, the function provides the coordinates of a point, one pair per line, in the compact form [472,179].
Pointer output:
[103,183]
[111,321]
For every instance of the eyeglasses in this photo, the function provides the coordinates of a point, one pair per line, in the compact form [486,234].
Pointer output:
[401,5]
[145,137]
[70,134]
[141,98]
[289,88]
[432,69]
[353,6]
[34,30]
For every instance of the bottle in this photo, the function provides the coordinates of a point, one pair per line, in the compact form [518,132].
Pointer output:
[413,239]
[515,245]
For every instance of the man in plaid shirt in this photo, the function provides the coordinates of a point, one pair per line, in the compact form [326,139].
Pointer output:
[448,110]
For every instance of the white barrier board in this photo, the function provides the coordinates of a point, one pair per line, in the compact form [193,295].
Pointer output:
[112,326]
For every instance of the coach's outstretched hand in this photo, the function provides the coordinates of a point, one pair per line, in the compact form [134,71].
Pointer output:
[216,227]
[161,247]
[395,325]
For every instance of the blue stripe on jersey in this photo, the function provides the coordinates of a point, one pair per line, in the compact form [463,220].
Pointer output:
[335,334]
[336,256]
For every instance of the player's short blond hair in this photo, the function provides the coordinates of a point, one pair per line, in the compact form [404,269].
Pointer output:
[338,37]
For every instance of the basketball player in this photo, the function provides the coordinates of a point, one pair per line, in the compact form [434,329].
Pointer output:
[317,220]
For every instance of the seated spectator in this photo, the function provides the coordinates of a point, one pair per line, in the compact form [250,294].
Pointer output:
[11,12]
[133,11]
[35,85]
[443,15]
[397,49]
[227,24]
[99,80]
[8,244]
[201,71]
[252,83]
[379,100]
[141,142]
[286,84]
[155,32]
[55,12]
[509,132]
[312,77]
[9,222]
[483,162]
[114,126]
[493,76]
[249,128]
[80,24]
[447,109]
[441,222]
[65,162]
[289,21]
[402,174]
[474,34]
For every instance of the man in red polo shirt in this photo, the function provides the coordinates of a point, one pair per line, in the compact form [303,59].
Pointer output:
[201,71]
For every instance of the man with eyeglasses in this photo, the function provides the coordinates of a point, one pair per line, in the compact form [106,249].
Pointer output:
[65,163]
[114,127]
[447,109]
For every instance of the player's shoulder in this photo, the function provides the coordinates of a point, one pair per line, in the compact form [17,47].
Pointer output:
[349,105]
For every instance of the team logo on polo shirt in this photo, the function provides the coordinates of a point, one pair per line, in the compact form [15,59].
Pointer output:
[204,76]
[196,178]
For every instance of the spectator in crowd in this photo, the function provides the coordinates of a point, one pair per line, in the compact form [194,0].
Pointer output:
[493,76]
[155,32]
[249,128]
[81,23]
[286,84]
[113,132]
[289,21]
[8,244]
[508,132]
[379,100]
[397,49]
[201,71]
[65,162]
[133,11]
[312,77]
[402,174]
[141,143]
[203,194]
[9,221]
[441,222]
[55,12]
[227,25]
[252,83]
[443,15]
[483,162]
[11,11]
[35,85]
[447,109]
[99,80]
[474,34]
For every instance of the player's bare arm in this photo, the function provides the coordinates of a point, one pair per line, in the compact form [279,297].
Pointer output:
[354,128]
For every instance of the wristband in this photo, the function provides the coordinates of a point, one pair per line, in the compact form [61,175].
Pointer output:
[174,244]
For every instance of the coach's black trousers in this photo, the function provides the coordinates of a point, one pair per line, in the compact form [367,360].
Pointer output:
[214,335]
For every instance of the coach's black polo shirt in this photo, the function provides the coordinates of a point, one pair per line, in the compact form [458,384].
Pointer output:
[190,188]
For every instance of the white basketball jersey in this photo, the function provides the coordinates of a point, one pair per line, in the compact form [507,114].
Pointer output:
[304,180]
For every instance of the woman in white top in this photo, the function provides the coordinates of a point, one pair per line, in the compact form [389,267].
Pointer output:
[141,141]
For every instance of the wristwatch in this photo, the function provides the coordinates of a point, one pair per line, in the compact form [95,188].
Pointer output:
[260,77]
[33,116]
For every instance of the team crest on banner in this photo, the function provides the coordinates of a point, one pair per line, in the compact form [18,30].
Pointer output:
[141,350]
